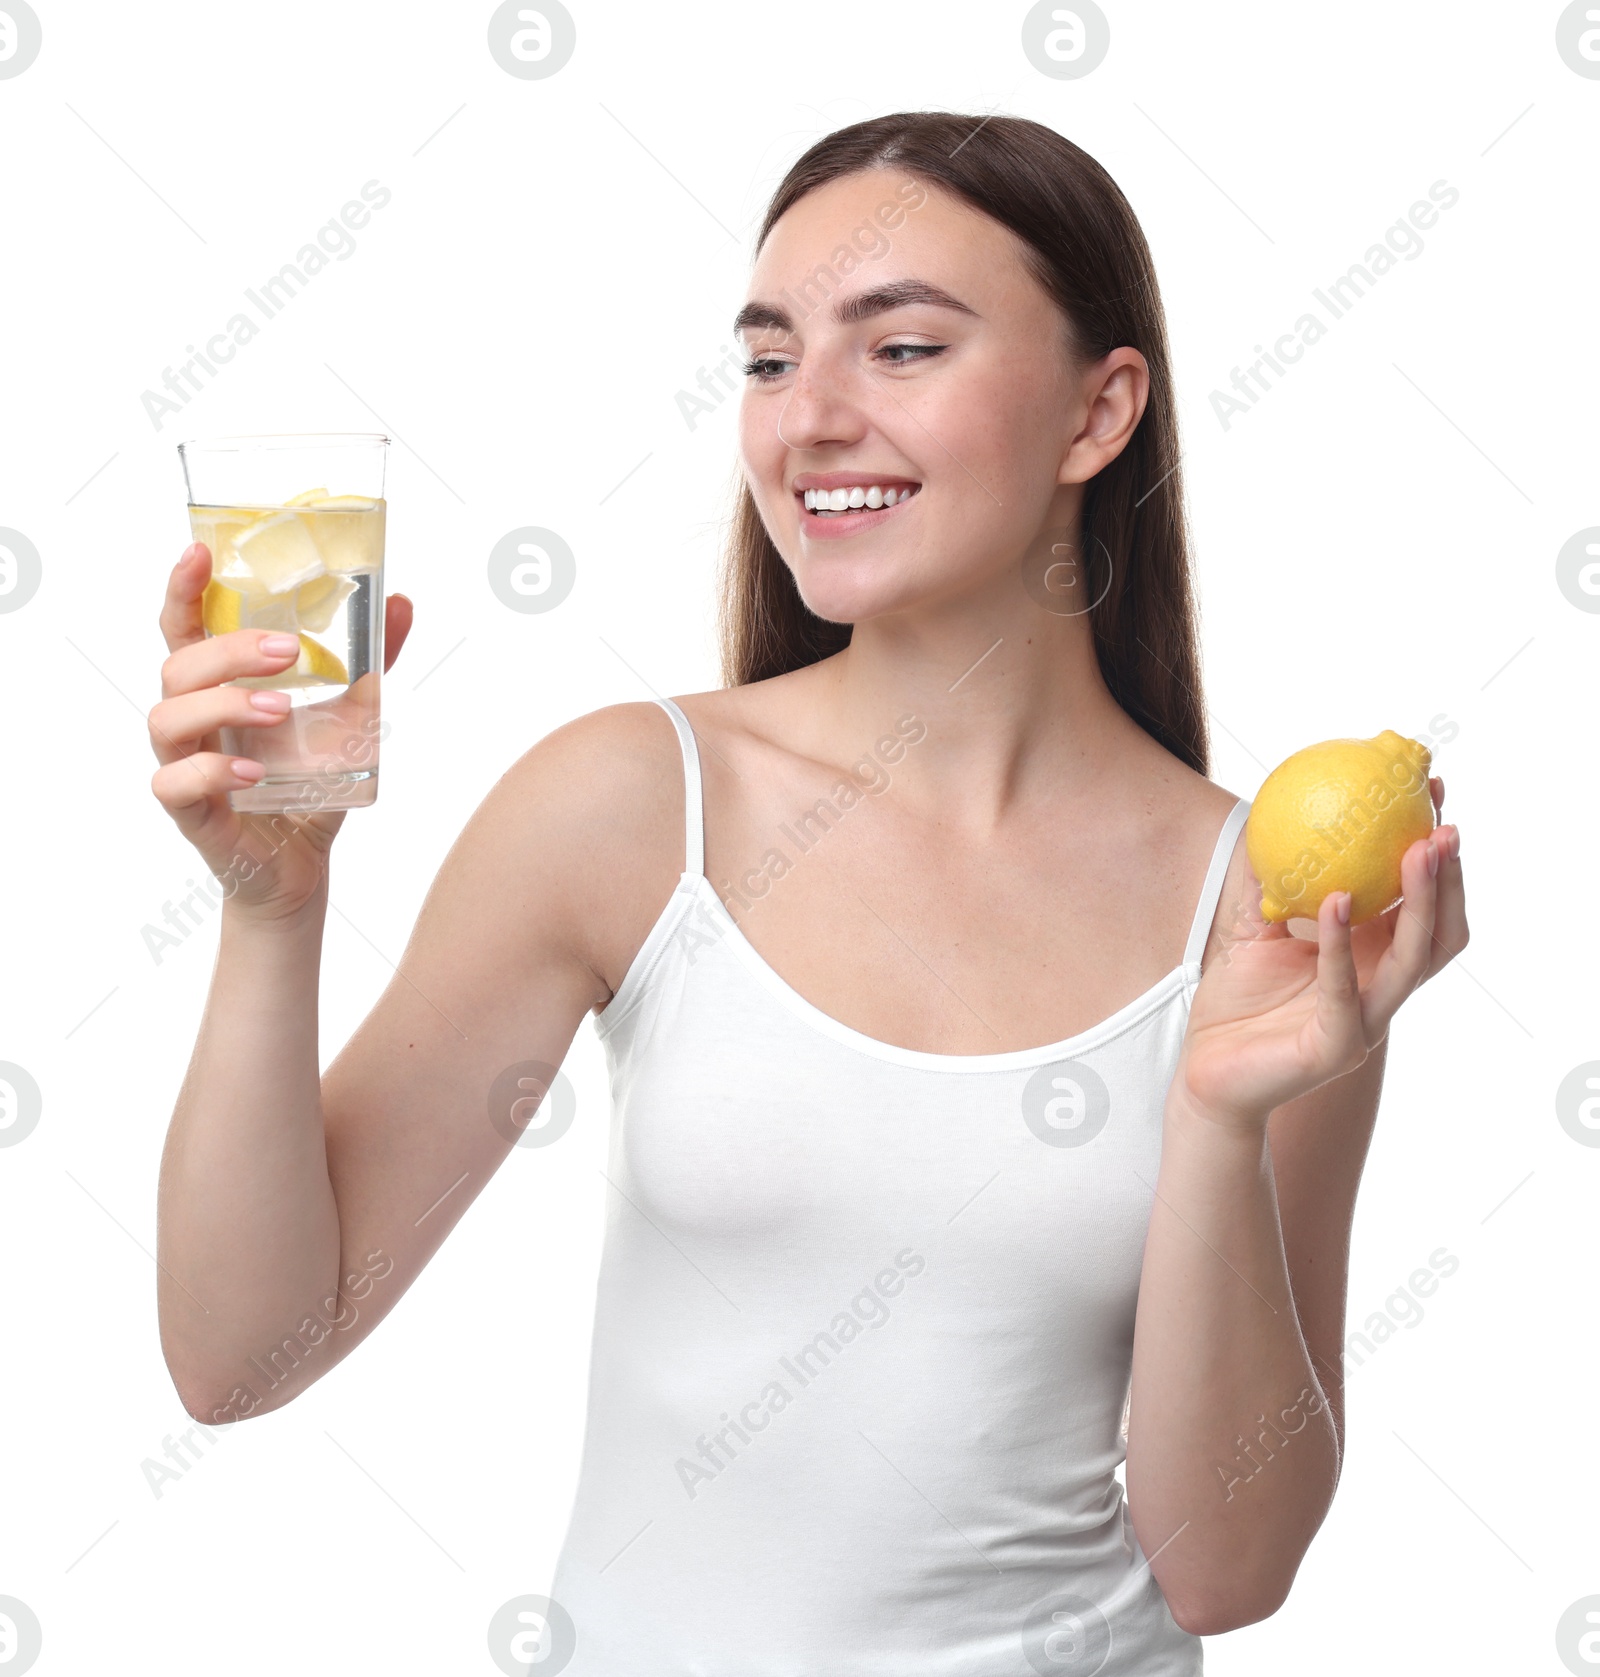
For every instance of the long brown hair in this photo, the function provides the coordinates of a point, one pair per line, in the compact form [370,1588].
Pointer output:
[1086,248]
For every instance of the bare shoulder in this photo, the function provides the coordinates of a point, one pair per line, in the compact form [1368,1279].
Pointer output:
[624,748]
[593,817]
[754,718]
[1179,821]
[1240,893]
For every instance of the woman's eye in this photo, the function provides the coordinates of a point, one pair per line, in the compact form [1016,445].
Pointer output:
[913,352]
[764,368]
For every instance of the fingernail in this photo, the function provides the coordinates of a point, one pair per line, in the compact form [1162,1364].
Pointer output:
[265,698]
[1455,843]
[246,770]
[1342,908]
[279,646]
[1433,857]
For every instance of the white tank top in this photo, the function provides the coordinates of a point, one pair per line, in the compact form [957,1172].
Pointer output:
[863,1331]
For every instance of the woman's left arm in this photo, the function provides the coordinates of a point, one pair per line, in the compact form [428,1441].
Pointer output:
[1235,1430]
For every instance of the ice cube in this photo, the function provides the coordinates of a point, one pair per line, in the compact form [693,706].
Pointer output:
[316,601]
[310,606]
[219,531]
[275,554]
[349,531]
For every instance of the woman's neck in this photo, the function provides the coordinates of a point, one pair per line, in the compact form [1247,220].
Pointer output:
[1011,695]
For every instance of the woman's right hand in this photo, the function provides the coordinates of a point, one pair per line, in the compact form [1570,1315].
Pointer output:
[271,864]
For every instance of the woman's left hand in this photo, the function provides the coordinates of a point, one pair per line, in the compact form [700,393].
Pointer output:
[1275,1016]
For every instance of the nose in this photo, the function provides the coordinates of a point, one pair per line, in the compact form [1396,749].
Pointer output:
[822,408]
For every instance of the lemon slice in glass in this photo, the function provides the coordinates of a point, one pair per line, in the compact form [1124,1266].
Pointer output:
[315,667]
[310,606]
[219,608]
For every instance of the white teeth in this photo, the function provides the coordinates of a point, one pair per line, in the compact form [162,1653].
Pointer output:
[858,495]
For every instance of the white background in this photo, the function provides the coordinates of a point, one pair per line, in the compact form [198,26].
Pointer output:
[1376,545]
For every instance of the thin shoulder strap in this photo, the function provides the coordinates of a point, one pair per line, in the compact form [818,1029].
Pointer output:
[1206,912]
[694,844]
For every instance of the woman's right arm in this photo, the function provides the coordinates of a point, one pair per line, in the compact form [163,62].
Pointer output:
[295,1210]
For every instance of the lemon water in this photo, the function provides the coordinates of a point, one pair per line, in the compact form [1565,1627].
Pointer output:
[312,568]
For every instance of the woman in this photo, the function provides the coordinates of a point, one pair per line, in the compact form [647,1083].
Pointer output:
[878,1265]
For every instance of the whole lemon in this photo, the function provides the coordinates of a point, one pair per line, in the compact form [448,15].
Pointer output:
[1338,817]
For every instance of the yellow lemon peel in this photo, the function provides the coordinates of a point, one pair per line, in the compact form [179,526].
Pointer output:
[315,667]
[1339,816]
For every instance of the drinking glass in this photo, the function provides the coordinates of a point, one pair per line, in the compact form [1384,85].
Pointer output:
[295,526]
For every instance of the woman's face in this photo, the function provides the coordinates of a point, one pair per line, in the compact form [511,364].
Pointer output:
[946,384]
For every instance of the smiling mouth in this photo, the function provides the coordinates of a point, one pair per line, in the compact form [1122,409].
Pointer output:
[861,497]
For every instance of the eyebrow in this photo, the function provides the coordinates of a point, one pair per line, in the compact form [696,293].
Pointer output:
[898,294]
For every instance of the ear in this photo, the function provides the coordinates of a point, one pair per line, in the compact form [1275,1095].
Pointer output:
[1115,390]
